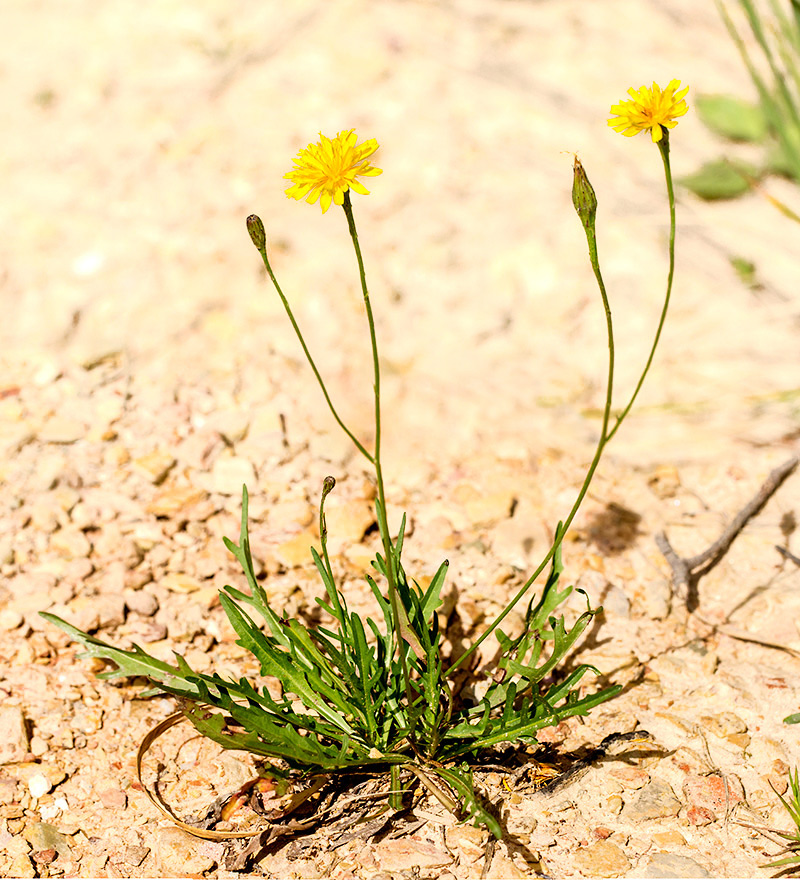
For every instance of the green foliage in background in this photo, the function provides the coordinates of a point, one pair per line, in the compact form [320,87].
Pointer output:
[773,122]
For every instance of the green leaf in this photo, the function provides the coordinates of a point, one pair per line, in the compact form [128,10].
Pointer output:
[721,179]
[732,118]
[783,159]
[129,663]
[792,719]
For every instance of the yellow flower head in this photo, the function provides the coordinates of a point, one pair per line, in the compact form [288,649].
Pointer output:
[652,109]
[326,170]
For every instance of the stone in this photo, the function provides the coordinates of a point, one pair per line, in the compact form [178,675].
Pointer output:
[656,800]
[8,790]
[39,785]
[38,746]
[394,855]
[182,503]
[96,612]
[723,725]
[602,859]
[61,429]
[669,838]
[14,741]
[45,856]
[715,793]
[154,466]
[503,868]
[347,523]
[230,473]
[699,816]
[178,854]
[44,516]
[297,550]
[114,798]
[664,481]
[135,855]
[630,777]
[180,583]
[672,865]
[141,602]
[10,619]
[70,543]
[21,867]
[489,508]
[42,835]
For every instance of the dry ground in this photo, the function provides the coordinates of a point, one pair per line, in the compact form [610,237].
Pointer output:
[148,372]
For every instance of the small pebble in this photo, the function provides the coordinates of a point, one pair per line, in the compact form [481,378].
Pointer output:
[602,859]
[177,853]
[59,429]
[21,867]
[38,746]
[230,473]
[154,466]
[13,734]
[45,856]
[10,619]
[114,798]
[656,800]
[670,865]
[180,583]
[141,602]
[39,786]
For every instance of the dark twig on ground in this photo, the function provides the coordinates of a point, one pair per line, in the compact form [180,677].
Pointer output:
[686,573]
[787,555]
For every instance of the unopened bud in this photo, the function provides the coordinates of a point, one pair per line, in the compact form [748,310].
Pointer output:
[256,229]
[583,196]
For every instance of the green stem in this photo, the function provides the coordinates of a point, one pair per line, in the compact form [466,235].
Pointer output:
[663,148]
[605,433]
[262,249]
[601,444]
[401,633]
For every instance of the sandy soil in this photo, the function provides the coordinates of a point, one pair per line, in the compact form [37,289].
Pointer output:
[148,372]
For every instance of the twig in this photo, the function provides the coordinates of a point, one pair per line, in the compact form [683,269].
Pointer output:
[787,555]
[488,856]
[687,572]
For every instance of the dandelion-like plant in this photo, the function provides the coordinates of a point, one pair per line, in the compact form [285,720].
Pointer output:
[359,694]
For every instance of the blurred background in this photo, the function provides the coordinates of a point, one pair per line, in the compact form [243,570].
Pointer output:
[138,137]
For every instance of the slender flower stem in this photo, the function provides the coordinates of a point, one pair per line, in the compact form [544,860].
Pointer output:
[402,630]
[601,444]
[605,433]
[663,147]
[262,249]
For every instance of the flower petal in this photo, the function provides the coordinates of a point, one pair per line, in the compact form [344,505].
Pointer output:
[327,169]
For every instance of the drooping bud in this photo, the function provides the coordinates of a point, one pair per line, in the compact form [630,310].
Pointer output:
[256,229]
[583,196]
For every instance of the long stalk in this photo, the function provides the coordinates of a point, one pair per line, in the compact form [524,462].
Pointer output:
[605,433]
[403,632]
[663,148]
[256,229]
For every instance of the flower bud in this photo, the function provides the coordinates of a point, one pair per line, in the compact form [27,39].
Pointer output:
[256,229]
[583,196]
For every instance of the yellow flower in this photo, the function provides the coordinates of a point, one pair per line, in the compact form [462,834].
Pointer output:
[326,170]
[652,109]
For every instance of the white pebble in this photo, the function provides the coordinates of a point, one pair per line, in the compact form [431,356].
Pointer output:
[39,785]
